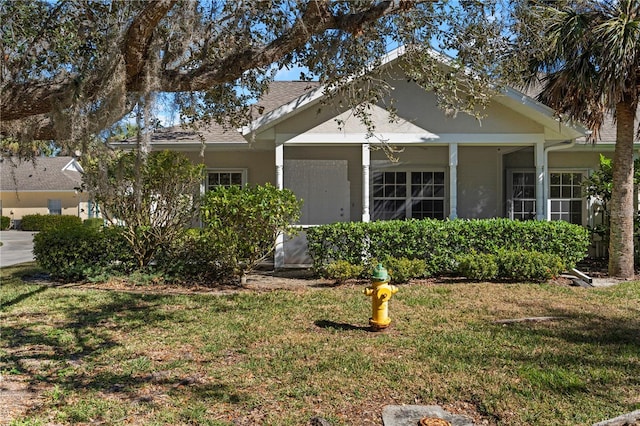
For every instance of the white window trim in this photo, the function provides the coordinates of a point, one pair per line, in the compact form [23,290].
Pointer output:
[243,172]
[510,172]
[381,168]
[583,198]
[52,201]
[586,217]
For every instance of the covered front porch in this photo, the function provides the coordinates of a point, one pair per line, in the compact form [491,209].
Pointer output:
[467,179]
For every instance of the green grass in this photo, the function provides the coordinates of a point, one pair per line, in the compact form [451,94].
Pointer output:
[281,357]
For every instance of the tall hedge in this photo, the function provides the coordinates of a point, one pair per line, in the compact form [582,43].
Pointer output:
[439,242]
[41,222]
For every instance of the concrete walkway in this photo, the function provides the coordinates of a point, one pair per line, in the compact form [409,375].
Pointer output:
[17,247]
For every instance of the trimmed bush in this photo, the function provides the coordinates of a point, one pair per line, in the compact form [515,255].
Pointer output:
[343,270]
[438,242]
[248,220]
[5,221]
[41,222]
[524,265]
[402,270]
[82,252]
[514,265]
[478,266]
[200,255]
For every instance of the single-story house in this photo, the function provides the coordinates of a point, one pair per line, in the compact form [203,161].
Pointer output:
[46,185]
[518,162]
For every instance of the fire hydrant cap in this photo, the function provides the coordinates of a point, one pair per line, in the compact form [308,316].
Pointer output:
[380,273]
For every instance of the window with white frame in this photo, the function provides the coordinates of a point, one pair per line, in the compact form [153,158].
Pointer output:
[565,197]
[225,178]
[566,201]
[55,207]
[408,194]
[522,195]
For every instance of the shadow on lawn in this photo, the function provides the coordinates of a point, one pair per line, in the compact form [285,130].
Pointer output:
[580,352]
[21,297]
[339,325]
[48,352]
[597,327]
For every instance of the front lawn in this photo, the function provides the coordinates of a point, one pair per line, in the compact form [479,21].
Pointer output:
[282,357]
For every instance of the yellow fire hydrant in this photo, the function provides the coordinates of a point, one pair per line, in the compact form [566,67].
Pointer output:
[380,292]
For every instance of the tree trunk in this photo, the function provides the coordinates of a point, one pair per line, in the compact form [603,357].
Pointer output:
[622,202]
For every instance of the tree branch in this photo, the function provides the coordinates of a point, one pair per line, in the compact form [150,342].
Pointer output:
[139,36]
[19,101]
[22,100]
[316,19]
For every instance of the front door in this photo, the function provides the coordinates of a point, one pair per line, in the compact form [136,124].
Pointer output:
[324,187]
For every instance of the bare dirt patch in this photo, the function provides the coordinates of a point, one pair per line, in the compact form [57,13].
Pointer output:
[17,396]
[256,281]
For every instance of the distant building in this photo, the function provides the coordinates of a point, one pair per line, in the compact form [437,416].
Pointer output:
[48,185]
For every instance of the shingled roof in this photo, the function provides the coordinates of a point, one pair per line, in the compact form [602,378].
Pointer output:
[43,174]
[283,92]
[280,93]
[606,133]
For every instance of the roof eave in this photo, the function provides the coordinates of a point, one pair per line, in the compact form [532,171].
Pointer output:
[305,101]
[542,113]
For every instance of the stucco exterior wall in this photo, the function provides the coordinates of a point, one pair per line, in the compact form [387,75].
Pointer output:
[576,160]
[523,158]
[418,111]
[432,156]
[260,165]
[18,204]
[421,108]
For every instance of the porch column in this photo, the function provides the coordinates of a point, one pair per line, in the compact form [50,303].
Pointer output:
[541,198]
[453,181]
[278,256]
[366,166]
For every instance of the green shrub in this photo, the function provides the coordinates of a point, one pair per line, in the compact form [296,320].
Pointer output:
[94,222]
[199,255]
[524,265]
[152,196]
[343,270]
[41,222]
[248,220]
[5,221]
[438,242]
[81,252]
[403,269]
[478,266]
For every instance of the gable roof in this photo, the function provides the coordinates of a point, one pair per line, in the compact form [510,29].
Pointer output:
[279,93]
[510,97]
[285,99]
[43,174]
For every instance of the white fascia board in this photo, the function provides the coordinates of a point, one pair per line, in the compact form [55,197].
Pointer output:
[73,166]
[539,112]
[274,117]
[410,138]
[511,98]
[191,146]
[307,100]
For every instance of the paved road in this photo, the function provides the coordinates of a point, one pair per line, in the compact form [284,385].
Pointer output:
[17,247]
